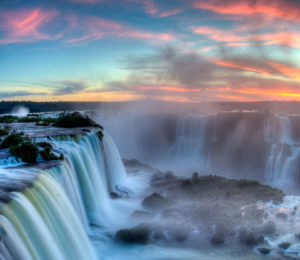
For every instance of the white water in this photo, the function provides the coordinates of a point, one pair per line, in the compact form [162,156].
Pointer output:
[283,164]
[190,144]
[52,219]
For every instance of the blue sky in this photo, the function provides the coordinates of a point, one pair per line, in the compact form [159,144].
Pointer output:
[175,50]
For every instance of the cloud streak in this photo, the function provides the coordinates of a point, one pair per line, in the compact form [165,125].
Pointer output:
[25,25]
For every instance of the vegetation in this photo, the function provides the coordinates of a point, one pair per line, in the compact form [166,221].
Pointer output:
[46,121]
[4,130]
[44,145]
[22,147]
[8,119]
[28,119]
[100,134]
[74,119]
[12,140]
[48,155]
[27,151]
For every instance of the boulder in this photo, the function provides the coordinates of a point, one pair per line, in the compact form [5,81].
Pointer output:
[155,202]
[284,245]
[281,216]
[136,235]
[217,240]
[268,228]
[264,250]
[250,238]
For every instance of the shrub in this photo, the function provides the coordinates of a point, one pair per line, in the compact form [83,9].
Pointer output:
[12,140]
[4,130]
[44,144]
[48,155]
[46,121]
[28,119]
[27,151]
[100,135]
[8,119]
[74,119]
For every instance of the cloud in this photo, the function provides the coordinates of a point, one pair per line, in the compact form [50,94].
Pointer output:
[25,25]
[69,87]
[95,28]
[282,9]
[172,73]
[7,94]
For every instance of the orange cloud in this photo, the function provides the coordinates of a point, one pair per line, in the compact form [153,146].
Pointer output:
[219,35]
[274,9]
[168,88]
[293,73]
[25,25]
[240,66]
[291,39]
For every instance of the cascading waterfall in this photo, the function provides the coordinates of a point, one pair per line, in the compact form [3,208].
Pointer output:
[114,165]
[51,219]
[283,164]
[190,141]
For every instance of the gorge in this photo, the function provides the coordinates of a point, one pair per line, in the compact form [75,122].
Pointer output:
[76,207]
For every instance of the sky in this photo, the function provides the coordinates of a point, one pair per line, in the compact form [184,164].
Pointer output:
[172,50]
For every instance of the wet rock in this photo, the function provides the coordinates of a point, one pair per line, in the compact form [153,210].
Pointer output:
[253,214]
[281,216]
[284,245]
[228,195]
[297,235]
[186,184]
[268,228]
[140,215]
[137,235]
[170,176]
[180,234]
[264,250]
[217,239]
[114,195]
[195,177]
[155,202]
[250,238]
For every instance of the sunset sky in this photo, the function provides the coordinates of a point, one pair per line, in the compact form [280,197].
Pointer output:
[175,50]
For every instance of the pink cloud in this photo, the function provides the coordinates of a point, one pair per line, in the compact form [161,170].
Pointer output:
[170,13]
[275,9]
[86,1]
[93,28]
[235,39]
[150,7]
[219,35]
[25,25]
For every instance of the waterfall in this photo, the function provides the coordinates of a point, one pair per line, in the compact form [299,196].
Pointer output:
[283,164]
[51,219]
[115,168]
[285,130]
[190,141]
[44,220]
